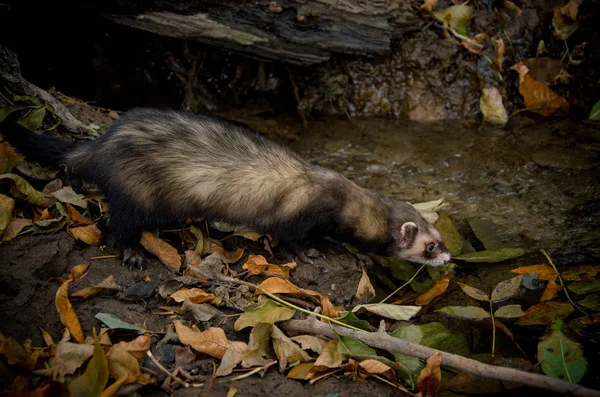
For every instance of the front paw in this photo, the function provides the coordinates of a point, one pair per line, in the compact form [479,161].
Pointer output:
[134,258]
[309,254]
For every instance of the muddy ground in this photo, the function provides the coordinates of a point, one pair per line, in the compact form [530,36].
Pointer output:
[537,178]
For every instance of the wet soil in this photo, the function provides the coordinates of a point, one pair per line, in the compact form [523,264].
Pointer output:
[538,178]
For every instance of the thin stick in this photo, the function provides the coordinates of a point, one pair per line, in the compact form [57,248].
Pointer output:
[103,257]
[560,280]
[254,371]
[176,379]
[325,375]
[212,379]
[403,285]
[382,340]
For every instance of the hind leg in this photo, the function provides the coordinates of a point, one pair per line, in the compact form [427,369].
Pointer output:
[126,224]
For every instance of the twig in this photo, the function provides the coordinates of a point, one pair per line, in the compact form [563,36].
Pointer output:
[166,371]
[254,371]
[212,379]
[403,285]
[325,375]
[383,340]
[562,284]
[103,257]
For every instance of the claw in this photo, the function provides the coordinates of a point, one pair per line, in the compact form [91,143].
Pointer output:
[134,258]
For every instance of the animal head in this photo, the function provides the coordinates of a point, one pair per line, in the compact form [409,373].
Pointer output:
[415,239]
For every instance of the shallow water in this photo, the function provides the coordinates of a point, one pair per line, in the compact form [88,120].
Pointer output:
[538,178]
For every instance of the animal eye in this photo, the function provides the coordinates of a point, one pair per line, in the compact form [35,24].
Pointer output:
[431,247]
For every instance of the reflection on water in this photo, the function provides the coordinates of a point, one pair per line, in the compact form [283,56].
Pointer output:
[537,178]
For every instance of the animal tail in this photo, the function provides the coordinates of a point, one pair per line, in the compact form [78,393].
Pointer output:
[48,151]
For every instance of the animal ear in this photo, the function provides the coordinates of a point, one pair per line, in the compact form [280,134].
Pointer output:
[408,232]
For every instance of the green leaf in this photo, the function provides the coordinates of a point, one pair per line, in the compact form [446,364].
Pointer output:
[114,322]
[33,119]
[269,312]
[595,113]
[561,357]
[24,190]
[6,111]
[491,256]
[31,101]
[434,335]
[494,236]
[591,301]
[474,292]
[450,234]
[468,312]
[356,349]
[585,287]
[457,16]
[507,289]
[395,312]
[93,381]
[203,244]
[6,208]
[351,319]
[509,311]
[400,269]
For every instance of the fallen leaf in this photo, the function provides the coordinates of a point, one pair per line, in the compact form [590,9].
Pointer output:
[165,252]
[329,357]
[395,312]
[539,98]
[77,217]
[7,205]
[430,377]
[15,353]
[94,378]
[69,357]
[544,69]
[303,371]
[585,287]
[476,44]
[507,289]
[212,342]
[473,292]
[226,256]
[563,26]
[438,289]
[202,242]
[202,311]
[570,9]
[67,314]
[9,158]
[544,313]
[195,295]
[257,264]
[268,312]
[232,390]
[260,347]
[428,210]
[112,390]
[14,227]
[561,357]
[492,108]
[124,359]
[509,311]
[114,322]
[351,319]
[374,366]
[450,234]
[365,291]
[89,234]
[434,335]
[491,256]
[21,189]
[457,16]
[192,258]
[108,283]
[544,272]
[287,351]
[351,347]
[595,112]
[428,5]
[552,289]
[499,52]
[581,273]
[311,342]
[592,301]
[468,312]
[468,383]
[68,195]
[52,225]
[32,120]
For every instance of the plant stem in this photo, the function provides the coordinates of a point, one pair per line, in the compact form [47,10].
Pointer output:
[403,285]
[562,284]
[493,329]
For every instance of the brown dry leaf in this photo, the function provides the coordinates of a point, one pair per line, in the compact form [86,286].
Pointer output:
[13,351]
[329,357]
[499,51]
[165,252]
[192,258]
[68,195]
[570,9]
[47,337]
[365,291]
[544,69]
[375,367]
[328,309]
[552,289]
[257,264]
[438,289]
[303,371]
[77,217]
[45,215]
[89,234]
[476,45]
[428,5]
[7,204]
[9,158]
[195,295]
[232,391]
[14,228]
[563,26]
[122,363]
[67,314]
[430,377]
[287,351]
[108,283]
[212,342]
[311,342]
[544,272]
[69,357]
[581,273]
[226,256]
[545,313]
[112,390]
[539,98]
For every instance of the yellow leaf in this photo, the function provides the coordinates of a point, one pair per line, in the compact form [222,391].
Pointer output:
[67,314]
[302,371]
[269,312]
[436,290]
[257,264]
[111,390]
[329,357]
[374,366]
[226,256]
[77,217]
[195,295]
[232,390]
[89,234]
[166,253]
[311,342]
[365,291]
[430,376]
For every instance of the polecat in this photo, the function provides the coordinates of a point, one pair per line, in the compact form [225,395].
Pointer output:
[162,166]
